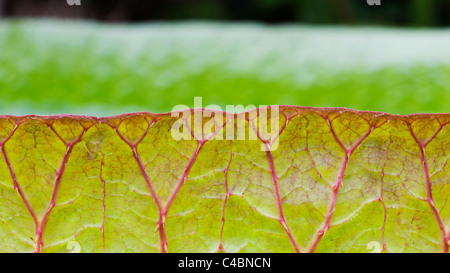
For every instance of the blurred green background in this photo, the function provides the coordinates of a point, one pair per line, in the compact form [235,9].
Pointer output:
[396,64]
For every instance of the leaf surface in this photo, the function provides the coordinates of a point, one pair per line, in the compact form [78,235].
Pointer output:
[338,181]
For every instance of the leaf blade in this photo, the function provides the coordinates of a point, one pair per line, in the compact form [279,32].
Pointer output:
[339,180]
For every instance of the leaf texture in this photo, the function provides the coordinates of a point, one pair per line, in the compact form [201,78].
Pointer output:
[339,181]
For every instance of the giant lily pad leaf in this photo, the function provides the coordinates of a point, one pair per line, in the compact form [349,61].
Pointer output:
[316,180]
